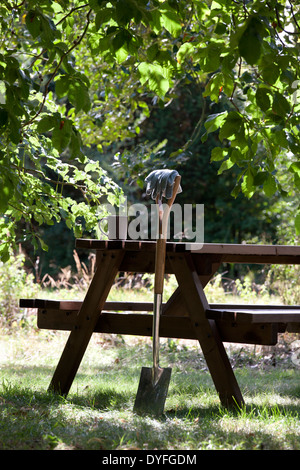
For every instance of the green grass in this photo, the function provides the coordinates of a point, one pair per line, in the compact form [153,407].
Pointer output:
[97,414]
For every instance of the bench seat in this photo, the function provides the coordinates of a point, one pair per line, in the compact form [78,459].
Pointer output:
[249,324]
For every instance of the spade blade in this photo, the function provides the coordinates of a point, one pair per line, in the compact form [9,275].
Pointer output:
[151,396]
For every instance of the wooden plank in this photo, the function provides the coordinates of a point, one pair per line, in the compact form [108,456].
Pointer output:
[85,322]
[170,327]
[253,307]
[259,333]
[223,249]
[140,262]
[50,303]
[293,328]
[131,245]
[76,305]
[176,307]
[206,331]
[261,259]
[255,316]
[144,262]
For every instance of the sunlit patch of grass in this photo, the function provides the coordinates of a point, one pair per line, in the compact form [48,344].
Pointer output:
[98,412]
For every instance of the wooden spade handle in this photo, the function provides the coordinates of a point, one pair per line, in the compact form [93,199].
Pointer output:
[160,256]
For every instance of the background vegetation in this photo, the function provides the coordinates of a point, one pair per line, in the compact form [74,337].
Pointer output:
[93,96]
[96,94]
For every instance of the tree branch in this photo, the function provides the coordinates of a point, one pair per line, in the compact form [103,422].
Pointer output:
[281,25]
[75,44]
[294,17]
[70,13]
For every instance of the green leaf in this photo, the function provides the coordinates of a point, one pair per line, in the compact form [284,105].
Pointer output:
[124,12]
[260,178]
[218,154]
[75,88]
[61,134]
[262,98]
[297,181]
[295,168]
[235,192]
[171,22]
[215,121]
[247,184]
[33,23]
[44,246]
[62,85]
[214,87]
[75,144]
[3,117]
[103,16]
[6,193]
[231,126]
[48,31]
[270,186]
[270,73]
[185,51]
[95,4]
[154,75]
[280,105]
[122,38]
[46,124]
[79,96]
[250,42]
[14,128]
[210,58]
[297,223]
[4,252]
[225,166]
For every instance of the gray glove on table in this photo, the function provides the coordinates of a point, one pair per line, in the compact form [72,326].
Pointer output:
[160,183]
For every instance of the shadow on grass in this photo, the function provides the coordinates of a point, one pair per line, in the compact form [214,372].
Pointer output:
[40,420]
[97,414]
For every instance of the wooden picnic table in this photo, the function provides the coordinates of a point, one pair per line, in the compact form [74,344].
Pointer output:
[187,314]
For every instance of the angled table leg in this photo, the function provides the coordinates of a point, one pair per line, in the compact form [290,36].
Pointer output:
[206,330]
[82,331]
[175,306]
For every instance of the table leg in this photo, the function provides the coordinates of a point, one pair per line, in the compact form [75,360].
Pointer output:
[175,306]
[206,331]
[82,331]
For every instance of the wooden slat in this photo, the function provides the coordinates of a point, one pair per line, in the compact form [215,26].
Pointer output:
[224,249]
[253,307]
[255,316]
[76,305]
[170,327]
[222,312]
[293,328]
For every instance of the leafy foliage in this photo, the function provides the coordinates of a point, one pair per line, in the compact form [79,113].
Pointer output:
[76,73]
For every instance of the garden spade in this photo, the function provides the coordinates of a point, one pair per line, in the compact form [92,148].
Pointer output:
[154,381]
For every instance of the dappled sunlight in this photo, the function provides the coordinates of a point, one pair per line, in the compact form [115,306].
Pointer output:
[98,412]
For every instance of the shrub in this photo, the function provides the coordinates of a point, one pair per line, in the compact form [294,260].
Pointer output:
[284,281]
[15,283]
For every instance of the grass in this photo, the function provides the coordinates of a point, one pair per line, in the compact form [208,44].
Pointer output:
[97,414]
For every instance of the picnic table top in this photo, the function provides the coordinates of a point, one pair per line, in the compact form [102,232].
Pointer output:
[223,249]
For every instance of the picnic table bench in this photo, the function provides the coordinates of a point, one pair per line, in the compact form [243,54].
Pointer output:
[187,314]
